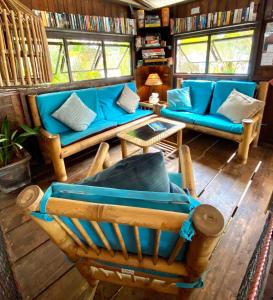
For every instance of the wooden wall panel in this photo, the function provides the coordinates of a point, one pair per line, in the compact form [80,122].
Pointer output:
[84,7]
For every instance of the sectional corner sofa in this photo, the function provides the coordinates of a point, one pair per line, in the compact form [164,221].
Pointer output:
[207,96]
[58,141]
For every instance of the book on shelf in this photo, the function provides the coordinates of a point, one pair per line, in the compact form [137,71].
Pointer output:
[214,19]
[156,60]
[87,23]
[152,21]
[153,53]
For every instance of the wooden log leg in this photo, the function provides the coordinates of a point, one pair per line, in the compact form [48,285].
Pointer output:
[245,143]
[258,130]
[145,150]
[124,150]
[179,139]
[57,161]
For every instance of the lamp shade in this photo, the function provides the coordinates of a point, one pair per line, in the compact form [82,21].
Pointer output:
[153,79]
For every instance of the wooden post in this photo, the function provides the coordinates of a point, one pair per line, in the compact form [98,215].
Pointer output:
[57,161]
[185,163]
[145,150]
[245,143]
[29,201]
[179,138]
[261,95]
[208,224]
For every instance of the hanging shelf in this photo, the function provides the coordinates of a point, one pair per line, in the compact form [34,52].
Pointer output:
[24,54]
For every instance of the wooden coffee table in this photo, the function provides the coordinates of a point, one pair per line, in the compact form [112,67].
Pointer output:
[144,136]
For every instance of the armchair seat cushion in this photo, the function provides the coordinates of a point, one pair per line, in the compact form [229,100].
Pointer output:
[71,136]
[126,118]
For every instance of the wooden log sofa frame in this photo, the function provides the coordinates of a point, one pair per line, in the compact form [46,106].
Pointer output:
[252,127]
[96,263]
[50,144]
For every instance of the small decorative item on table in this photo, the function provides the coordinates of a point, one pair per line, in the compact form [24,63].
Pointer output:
[154,98]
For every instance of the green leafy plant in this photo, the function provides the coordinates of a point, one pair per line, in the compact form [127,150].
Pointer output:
[11,142]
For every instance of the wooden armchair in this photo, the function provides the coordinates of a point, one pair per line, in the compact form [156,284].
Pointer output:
[129,245]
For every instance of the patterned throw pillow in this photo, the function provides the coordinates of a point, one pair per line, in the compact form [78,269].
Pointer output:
[239,106]
[128,100]
[75,114]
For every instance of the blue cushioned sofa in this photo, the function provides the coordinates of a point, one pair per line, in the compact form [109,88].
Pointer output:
[207,96]
[58,141]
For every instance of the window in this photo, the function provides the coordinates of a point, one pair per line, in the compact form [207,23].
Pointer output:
[229,53]
[76,60]
[118,59]
[86,60]
[58,61]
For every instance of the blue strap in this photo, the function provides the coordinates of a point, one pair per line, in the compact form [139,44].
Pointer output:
[42,214]
[191,285]
[187,230]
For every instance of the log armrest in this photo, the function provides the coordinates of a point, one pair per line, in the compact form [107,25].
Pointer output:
[155,107]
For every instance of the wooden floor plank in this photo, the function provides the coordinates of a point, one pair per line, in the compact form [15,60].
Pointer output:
[226,190]
[11,217]
[70,286]
[238,243]
[40,269]
[24,239]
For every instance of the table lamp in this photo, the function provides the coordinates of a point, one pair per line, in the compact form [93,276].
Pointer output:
[153,80]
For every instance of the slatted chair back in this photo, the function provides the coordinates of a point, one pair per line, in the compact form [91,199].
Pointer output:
[141,239]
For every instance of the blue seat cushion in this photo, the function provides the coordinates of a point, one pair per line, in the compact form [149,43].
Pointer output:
[71,136]
[201,94]
[126,118]
[213,121]
[145,172]
[218,122]
[48,103]
[108,97]
[224,87]
[183,116]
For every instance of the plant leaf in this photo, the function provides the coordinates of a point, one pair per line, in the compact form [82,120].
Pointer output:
[13,134]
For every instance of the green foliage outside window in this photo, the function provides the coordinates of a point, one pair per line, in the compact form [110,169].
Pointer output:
[229,53]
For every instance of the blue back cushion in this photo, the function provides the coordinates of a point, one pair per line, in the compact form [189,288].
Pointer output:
[144,172]
[153,200]
[224,87]
[48,103]
[201,93]
[108,96]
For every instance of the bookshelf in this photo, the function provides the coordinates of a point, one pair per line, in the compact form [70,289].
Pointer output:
[86,23]
[220,19]
[153,41]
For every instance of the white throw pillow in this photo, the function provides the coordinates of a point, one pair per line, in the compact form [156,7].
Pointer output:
[239,106]
[128,100]
[75,114]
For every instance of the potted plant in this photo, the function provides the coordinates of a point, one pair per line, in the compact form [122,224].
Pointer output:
[14,159]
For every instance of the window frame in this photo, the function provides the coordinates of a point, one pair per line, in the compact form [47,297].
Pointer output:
[67,35]
[209,33]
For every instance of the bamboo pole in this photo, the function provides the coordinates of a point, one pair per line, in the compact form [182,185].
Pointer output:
[156,245]
[10,47]
[185,163]
[121,240]
[34,110]
[37,53]
[17,48]
[98,162]
[138,243]
[30,43]
[29,201]
[3,55]
[132,216]
[24,50]
[178,246]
